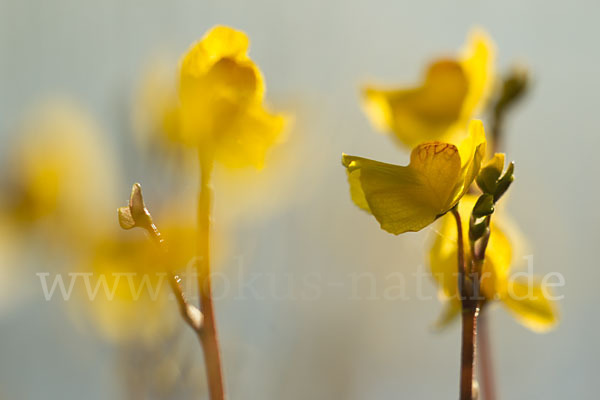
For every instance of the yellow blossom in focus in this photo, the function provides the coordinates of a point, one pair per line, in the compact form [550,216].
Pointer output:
[452,92]
[404,199]
[525,300]
[218,105]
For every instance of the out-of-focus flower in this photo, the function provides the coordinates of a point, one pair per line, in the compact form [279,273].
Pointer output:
[245,193]
[404,199]
[62,179]
[439,109]
[525,300]
[130,273]
[218,102]
[132,298]
[60,173]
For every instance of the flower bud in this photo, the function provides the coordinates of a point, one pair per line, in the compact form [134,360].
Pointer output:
[484,206]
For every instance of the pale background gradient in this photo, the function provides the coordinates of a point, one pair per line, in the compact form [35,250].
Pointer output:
[314,55]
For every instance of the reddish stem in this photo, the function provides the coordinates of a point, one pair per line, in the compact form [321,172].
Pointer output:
[467,358]
[470,311]
[486,365]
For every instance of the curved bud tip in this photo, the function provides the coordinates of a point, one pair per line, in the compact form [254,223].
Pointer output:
[135,214]
[136,201]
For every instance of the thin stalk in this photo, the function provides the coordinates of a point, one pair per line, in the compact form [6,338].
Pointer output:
[461,246]
[470,310]
[209,338]
[497,129]
[486,366]
[190,314]
[467,357]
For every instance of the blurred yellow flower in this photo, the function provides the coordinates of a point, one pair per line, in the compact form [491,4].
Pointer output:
[61,180]
[61,173]
[130,273]
[218,105]
[132,298]
[525,300]
[404,199]
[452,92]
[244,192]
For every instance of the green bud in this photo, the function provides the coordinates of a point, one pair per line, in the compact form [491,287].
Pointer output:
[488,176]
[484,206]
[477,229]
[505,182]
[514,87]
[486,180]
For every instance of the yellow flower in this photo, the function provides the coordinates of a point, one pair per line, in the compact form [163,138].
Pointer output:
[452,92]
[133,301]
[220,96]
[61,173]
[532,308]
[404,199]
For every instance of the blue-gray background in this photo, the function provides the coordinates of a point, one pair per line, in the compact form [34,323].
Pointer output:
[314,54]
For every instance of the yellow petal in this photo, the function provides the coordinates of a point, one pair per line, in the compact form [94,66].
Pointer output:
[356,192]
[217,63]
[422,113]
[497,162]
[437,109]
[233,79]
[210,105]
[220,93]
[529,305]
[220,42]
[248,137]
[478,63]
[408,198]
[498,259]
[443,259]
[472,152]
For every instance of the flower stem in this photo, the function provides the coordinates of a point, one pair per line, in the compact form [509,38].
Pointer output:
[209,338]
[461,248]
[486,367]
[470,311]
[467,357]
[191,315]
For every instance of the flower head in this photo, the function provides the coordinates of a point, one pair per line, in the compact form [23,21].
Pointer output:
[408,198]
[60,172]
[440,107]
[525,300]
[220,101]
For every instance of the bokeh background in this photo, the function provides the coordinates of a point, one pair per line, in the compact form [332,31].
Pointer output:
[314,55]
